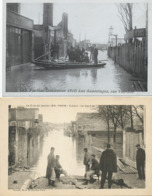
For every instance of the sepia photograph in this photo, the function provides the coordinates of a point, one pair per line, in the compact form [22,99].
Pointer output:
[75,48]
[76,146]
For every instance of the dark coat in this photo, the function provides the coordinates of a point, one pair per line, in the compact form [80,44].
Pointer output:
[50,165]
[57,164]
[86,158]
[140,156]
[95,165]
[108,161]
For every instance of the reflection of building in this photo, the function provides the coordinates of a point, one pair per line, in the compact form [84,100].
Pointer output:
[26,129]
[19,42]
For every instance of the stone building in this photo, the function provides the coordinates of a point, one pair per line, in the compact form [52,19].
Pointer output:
[19,37]
[25,134]
[88,122]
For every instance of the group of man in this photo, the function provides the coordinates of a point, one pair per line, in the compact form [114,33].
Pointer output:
[80,55]
[54,168]
[108,165]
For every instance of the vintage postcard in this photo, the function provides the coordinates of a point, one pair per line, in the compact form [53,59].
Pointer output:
[76,48]
[76,146]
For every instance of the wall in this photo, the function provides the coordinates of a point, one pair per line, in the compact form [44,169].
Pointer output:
[131,56]
[100,140]
[130,139]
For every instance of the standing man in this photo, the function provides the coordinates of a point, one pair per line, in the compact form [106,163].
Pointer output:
[95,55]
[140,161]
[86,161]
[94,169]
[108,164]
[50,172]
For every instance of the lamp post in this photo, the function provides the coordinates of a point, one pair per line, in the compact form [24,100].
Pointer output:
[111,34]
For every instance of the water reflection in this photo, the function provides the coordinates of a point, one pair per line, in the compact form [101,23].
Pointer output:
[31,78]
[69,149]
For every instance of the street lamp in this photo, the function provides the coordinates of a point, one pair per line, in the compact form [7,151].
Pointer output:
[111,34]
[110,30]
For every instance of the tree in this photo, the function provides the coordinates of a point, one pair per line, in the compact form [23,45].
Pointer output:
[138,111]
[126,15]
[104,113]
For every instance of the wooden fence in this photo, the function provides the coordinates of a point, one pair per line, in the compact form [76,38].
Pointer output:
[132,57]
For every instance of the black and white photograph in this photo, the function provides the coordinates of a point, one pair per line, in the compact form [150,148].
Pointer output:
[76,146]
[76,48]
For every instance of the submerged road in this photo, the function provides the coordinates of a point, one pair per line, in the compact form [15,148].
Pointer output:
[30,78]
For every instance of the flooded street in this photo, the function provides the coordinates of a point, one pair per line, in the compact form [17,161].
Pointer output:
[29,78]
[69,149]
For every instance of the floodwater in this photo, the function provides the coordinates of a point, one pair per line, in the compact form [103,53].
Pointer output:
[70,151]
[29,78]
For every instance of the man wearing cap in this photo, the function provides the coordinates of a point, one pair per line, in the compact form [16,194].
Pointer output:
[95,54]
[58,168]
[140,162]
[86,160]
[108,164]
[94,169]
[50,172]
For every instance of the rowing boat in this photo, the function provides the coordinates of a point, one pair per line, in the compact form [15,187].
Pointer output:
[49,64]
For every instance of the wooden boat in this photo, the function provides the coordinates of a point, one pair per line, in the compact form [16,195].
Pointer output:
[49,64]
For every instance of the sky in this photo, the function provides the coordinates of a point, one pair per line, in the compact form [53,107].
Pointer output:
[90,20]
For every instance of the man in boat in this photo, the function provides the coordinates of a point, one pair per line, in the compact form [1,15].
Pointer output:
[86,58]
[72,54]
[57,50]
[50,172]
[58,168]
[78,54]
[91,53]
[94,169]
[82,54]
[52,49]
[67,52]
[95,54]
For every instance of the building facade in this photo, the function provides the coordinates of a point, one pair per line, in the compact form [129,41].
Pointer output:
[19,37]
[51,41]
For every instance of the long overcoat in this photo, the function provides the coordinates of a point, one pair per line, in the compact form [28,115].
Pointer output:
[51,164]
[140,156]
[108,161]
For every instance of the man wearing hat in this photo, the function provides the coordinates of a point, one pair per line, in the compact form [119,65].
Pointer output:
[94,169]
[108,164]
[50,172]
[86,160]
[140,162]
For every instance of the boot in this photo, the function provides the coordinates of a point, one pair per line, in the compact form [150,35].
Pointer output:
[49,182]
[85,183]
[53,184]
[101,187]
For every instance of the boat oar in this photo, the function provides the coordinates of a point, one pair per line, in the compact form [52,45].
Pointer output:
[44,55]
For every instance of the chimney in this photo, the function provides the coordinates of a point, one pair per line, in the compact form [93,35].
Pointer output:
[47,14]
[65,24]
